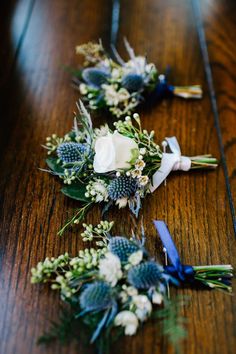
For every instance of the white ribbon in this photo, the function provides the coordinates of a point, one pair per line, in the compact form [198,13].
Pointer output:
[170,162]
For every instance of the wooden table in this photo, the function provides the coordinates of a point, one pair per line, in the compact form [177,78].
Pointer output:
[37,38]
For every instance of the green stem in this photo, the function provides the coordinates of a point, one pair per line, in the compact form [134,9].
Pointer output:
[76,218]
[203,161]
[215,276]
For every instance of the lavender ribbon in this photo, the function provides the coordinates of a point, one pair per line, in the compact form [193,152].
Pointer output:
[184,273]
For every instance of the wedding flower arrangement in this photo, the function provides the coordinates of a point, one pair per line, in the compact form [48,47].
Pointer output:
[119,166]
[118,286]
[119,86]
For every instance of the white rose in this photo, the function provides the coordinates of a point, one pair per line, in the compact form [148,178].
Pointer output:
[113,152]
[128,320]
[110,268]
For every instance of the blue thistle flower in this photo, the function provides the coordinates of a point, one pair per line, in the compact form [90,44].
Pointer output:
[96,296]
[71,152]
[122,247]
[145,275]
[132,82]
[95,77]
[122,187]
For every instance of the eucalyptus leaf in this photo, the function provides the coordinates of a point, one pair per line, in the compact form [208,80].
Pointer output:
[54,165]
[76,191]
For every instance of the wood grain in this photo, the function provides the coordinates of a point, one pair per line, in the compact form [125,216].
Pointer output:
[39,101]
[220,30]
[195,206]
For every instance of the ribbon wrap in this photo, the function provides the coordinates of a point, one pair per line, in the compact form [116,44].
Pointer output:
[163,90]
[184,273]
[170,162]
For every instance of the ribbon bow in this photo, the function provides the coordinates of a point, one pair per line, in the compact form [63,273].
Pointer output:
[176,269]
[170,162]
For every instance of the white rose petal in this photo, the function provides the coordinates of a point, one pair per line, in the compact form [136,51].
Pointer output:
[113,152]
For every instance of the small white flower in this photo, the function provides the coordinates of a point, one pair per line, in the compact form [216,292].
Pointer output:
[157,298]
[105,63]
[140,66]
[123,296]
[143,151]
[131,291]
[110,268]
[136,173]
[114,97]
[83,89]
[140,164]
[143,306]
[135,258]
[102,131]
[143,180]
[115,74]
[98,190]
[128,320]
[122,202]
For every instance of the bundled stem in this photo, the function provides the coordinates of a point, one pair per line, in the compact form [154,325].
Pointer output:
[203,162]
[194,91]
[215,276]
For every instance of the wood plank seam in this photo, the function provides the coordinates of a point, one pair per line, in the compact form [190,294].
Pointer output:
[210,83]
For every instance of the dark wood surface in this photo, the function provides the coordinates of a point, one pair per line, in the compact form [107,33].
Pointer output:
[38,38]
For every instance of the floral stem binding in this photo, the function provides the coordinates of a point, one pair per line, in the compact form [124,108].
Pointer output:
[119,86]
[118,166]
[119,285]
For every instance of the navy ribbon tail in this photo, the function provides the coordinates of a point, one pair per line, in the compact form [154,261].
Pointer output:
[185,273]
[163,89]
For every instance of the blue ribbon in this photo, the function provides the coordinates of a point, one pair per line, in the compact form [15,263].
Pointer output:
[163,89]
[184,273]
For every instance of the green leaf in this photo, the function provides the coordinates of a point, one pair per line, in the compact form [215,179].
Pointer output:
[134,154]
[54,165]
[76,191]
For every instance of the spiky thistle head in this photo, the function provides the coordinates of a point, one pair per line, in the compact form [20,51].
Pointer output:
[95,77]
[122,247]
[145,275]
[71,152]
[121,187]
[132,82]
[96,296]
